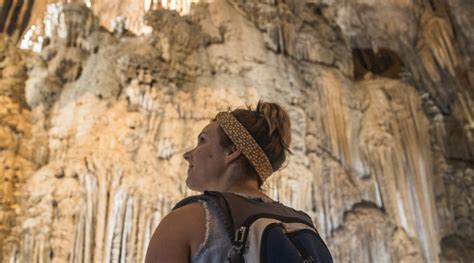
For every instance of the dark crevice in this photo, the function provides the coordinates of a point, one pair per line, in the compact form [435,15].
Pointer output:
[16,14]
[384,63]
[26,17]
[4,13]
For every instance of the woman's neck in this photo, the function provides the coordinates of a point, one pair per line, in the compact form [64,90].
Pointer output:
[245,188]
[236,181]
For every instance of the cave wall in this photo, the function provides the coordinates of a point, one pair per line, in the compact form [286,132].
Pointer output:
[99,108]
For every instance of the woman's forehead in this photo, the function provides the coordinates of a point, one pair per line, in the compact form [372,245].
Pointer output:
[210,128]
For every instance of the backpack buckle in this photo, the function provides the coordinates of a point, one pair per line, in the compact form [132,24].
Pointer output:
[240,234]
[235,255]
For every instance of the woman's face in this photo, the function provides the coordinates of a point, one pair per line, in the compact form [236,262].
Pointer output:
[206,161]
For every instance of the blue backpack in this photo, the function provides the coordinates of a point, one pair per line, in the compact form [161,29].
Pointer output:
[267,232]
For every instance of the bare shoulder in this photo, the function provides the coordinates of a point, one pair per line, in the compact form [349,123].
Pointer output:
[178,235]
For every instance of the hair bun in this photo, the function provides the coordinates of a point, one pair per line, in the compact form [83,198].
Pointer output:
[278,121]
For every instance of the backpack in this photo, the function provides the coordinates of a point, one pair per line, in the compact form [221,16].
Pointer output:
[266,232]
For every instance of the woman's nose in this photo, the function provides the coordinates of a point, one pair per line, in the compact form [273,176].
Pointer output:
[187,155]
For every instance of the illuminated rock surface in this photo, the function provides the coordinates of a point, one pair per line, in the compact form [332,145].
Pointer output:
[94,124]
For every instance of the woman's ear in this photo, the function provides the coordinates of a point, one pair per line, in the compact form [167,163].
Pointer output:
[232,154]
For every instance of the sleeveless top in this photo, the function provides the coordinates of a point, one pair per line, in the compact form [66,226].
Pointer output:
[217,244]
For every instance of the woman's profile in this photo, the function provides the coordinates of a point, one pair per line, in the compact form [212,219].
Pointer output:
[234,220]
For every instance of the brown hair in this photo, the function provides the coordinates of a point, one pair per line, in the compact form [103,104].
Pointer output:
[269,124]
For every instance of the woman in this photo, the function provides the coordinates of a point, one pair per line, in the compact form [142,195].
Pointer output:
[226,159]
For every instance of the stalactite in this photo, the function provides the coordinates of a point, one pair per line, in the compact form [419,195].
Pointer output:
[141,248]
[101,211]
[436,46]
[407,193]
[126,232]
[90,186]
[134,231]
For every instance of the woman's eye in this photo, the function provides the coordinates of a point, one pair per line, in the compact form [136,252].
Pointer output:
[200,140]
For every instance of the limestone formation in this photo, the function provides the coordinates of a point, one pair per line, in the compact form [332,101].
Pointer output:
[99,108]
[18,158]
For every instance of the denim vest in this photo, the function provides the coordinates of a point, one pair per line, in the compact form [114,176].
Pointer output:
[217,244]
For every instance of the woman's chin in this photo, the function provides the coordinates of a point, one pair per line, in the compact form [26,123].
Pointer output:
[191,185]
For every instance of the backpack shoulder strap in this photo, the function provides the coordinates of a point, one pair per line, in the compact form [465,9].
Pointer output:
[241,208]
[189,200]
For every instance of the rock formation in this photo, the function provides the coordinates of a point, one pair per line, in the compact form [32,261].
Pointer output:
[98,109]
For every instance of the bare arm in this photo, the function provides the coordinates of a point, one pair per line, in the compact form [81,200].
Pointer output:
[178,235]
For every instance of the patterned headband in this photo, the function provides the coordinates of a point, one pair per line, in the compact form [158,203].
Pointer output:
[244,141]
